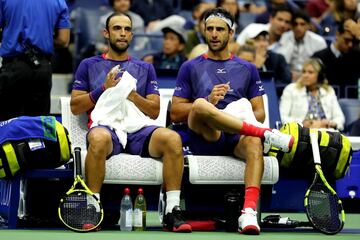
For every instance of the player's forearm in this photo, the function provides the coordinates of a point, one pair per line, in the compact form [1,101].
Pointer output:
[150,107]
[81,103]
[180,112]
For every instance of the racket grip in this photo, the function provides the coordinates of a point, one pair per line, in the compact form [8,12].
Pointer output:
[77,151]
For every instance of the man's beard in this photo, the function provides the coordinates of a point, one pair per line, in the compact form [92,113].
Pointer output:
[219,48]
[117,49]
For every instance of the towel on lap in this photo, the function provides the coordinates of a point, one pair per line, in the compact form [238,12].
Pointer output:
[114,110]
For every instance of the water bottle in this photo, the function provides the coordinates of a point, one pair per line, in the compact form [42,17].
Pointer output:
[140,211]
[126,211]
[232,211]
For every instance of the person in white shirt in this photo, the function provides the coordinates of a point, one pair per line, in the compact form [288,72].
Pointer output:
[280,22]
[299,44]
[310,100]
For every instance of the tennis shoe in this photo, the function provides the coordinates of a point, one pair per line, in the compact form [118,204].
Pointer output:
[90,219]
[275,138]
[175,222]
[248,223]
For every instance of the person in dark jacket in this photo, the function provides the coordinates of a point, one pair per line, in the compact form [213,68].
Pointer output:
[341,59]
[171,57]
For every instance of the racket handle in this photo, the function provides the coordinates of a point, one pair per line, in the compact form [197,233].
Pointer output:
[315,146]
[77,151]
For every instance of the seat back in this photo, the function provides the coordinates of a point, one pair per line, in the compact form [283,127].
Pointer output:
[271,103]
[351,110]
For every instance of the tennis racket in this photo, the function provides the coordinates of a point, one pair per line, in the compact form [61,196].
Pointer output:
[80,210]
[323,207]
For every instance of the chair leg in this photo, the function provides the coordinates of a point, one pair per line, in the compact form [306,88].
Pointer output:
[14,202]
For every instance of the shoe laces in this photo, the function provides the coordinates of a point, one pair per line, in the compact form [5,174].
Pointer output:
[249,211]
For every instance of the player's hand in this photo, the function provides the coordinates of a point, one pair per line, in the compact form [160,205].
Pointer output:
[111,79]
[218,93]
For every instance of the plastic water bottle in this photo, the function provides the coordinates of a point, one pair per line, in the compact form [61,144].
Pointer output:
[140,211]
[126,211]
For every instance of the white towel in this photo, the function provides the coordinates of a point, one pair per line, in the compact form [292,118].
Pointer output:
[242,110]
[114,110]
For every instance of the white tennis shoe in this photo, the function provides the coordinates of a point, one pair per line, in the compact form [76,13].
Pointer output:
[275,138]
[248,223]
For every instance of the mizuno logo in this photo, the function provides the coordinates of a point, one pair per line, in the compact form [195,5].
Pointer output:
[221,70]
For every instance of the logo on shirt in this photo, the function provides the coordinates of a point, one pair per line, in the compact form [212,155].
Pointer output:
[221,70]
[177,88]
[261,88]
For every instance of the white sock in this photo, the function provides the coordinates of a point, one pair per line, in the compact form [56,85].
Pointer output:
[91,200]
[172,200]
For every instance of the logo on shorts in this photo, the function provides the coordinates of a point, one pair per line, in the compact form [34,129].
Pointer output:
[261,88]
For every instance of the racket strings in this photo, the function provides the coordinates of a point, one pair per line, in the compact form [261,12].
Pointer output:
[323,209]
[80,213]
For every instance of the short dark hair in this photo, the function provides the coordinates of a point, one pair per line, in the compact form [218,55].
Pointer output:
[281,8]
[111,2]
[301,14]
[220,11]
[114,15]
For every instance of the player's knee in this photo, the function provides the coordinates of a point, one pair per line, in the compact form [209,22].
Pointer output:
[200,107]
[172,141]
[99,138]
[253,145]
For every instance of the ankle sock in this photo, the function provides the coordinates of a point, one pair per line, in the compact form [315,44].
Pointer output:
[172,200]
[252,130]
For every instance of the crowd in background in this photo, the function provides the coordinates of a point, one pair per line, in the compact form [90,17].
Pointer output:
[278,36]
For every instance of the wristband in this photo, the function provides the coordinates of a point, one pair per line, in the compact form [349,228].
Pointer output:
[95,94]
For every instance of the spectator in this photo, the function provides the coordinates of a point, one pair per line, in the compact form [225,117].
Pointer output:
[299,44]
[342,57]
[171,56]
[198,50]
[247,52]
[157,14]
[26,49]
[267,60]
[252,6]
[311,101]
[264,17]
[96,76]
[316,8]
[340,11]
[233,7]
[214,81]
[197,11]
[121,6]
[280,22]
[196,36]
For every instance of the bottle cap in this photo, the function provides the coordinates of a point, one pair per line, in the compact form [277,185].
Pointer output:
[126,191]
[140,191]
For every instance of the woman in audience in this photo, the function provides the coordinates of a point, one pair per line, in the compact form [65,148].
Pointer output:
[310,100]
